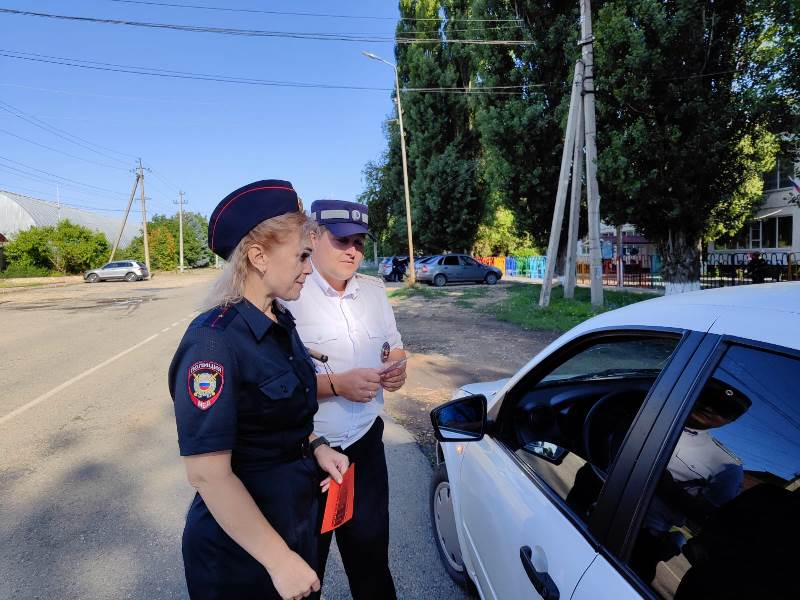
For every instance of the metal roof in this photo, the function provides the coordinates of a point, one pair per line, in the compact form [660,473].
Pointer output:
[18,213]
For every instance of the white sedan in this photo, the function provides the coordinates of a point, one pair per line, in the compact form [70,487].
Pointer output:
[650,452]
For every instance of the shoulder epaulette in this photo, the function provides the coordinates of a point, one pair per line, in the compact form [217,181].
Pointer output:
[220,317]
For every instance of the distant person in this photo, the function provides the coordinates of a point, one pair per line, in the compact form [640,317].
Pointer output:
[245,394]
[757,268]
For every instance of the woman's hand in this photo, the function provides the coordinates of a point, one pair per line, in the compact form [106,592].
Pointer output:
[293,578]
[333,463]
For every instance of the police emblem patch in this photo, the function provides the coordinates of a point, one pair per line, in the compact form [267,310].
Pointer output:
[206,379]
[385,349]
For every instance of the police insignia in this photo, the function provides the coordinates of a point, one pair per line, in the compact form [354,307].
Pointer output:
[385,349]
[206,379]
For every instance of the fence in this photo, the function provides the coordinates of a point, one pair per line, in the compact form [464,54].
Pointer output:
[644,271]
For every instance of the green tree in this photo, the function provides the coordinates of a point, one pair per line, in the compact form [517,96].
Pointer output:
[66,248]
[683,135]
[163,236]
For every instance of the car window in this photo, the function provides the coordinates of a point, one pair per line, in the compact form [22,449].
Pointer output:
[470,262]
[450,260]
[725,519]
[141,265]
[112,265]
[569,425]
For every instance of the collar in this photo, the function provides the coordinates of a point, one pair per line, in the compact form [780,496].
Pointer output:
[351,289]
[258,322]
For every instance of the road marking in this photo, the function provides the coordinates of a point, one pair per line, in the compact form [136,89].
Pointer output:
[175,323]
[165,329]
[55,390]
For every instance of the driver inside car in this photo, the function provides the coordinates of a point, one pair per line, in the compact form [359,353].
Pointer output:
[702,475]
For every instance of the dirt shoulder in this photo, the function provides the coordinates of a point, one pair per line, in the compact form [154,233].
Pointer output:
[452,341]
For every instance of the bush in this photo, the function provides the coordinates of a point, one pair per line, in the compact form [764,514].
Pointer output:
[25,271]
[67,248]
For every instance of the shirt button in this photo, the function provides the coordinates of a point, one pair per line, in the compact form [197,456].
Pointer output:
[308,390]
[283,389]
[291,358]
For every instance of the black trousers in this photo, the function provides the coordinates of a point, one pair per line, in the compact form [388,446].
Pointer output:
[364,540]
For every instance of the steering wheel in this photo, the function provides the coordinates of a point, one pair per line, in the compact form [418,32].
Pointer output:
[589,422]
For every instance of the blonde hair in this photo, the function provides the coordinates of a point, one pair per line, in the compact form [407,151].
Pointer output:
[229,286]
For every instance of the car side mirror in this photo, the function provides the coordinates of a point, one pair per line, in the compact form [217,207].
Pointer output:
[460,420]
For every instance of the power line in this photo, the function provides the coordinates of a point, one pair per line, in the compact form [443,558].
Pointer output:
[335,37]
[20,114]
[94,162]
[10,187]
[168,73]
[301,14]
[88,185]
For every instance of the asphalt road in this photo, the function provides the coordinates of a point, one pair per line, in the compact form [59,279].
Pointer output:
[92,492]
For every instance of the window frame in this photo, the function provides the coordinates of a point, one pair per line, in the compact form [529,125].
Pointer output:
[595,530]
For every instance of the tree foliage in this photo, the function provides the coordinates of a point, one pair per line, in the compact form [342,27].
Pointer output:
[65,248]
[163,235]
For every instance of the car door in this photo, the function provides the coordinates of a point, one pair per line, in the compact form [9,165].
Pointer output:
[533,504]
[451,267]
[473,270]
[711,509]
[108,271]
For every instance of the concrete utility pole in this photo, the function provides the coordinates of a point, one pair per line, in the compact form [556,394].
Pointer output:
[125,218]
[563,185]
[581,101]
[574,212]
[144,221]
[180,204]
[592,192]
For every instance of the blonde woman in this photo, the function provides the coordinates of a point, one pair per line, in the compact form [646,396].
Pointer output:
[244,390]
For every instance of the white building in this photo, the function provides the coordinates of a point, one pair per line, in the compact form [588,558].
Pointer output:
[18,213]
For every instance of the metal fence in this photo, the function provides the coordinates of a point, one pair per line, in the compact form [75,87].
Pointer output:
[717,269]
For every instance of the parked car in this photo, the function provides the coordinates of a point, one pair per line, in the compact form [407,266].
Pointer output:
[650,452]
[393,268]
[129,270]
[448,268]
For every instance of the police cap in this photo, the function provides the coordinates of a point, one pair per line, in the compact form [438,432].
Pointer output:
[243,209]
[340,217]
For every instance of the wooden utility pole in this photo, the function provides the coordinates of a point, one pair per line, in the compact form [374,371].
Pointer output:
[592,192]
[180,204]
[125,218]
[563,185]
[144,221]
[620,262]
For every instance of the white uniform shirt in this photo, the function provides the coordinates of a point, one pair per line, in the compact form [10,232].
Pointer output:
[351,330]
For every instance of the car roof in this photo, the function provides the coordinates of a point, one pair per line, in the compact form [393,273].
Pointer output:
[767,312]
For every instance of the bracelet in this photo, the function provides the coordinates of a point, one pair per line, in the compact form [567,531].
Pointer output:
[333,389]
[317,442]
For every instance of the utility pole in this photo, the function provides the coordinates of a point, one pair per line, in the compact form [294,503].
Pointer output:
[574,212]
[563,185]
[144,221]
[180,204]
[581,101]
[592,192]
[125,218]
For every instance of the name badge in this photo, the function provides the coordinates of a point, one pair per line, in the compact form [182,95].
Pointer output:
[385,349]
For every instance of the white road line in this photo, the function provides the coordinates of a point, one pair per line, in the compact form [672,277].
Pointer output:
[68,383]
[165,329]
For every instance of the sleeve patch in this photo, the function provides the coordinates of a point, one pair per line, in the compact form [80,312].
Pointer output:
[206,379]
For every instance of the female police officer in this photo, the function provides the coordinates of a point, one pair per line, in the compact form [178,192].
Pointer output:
[244,391]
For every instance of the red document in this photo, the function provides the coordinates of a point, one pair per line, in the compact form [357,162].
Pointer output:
[339,507]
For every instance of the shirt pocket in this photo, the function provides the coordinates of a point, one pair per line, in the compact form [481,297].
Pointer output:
[280,387]
[317,335]
[376,329]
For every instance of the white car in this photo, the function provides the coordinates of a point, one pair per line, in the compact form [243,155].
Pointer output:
[650,452]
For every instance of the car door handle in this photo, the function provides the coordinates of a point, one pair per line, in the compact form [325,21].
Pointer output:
[541,581]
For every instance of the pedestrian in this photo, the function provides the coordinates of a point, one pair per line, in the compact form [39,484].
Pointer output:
[244,392]
[346,316]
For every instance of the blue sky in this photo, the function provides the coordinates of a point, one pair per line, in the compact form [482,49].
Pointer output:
[206,138]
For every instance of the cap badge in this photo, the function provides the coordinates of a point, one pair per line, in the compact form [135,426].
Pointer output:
[356,215]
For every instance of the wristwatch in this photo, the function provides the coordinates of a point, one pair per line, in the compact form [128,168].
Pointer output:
[317,442]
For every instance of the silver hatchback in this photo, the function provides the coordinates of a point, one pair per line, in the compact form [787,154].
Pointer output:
[449,268]
[129,270]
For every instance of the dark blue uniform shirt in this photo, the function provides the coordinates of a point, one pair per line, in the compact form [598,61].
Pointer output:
[241,382]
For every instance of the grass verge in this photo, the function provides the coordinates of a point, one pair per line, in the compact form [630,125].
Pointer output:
[521,306]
